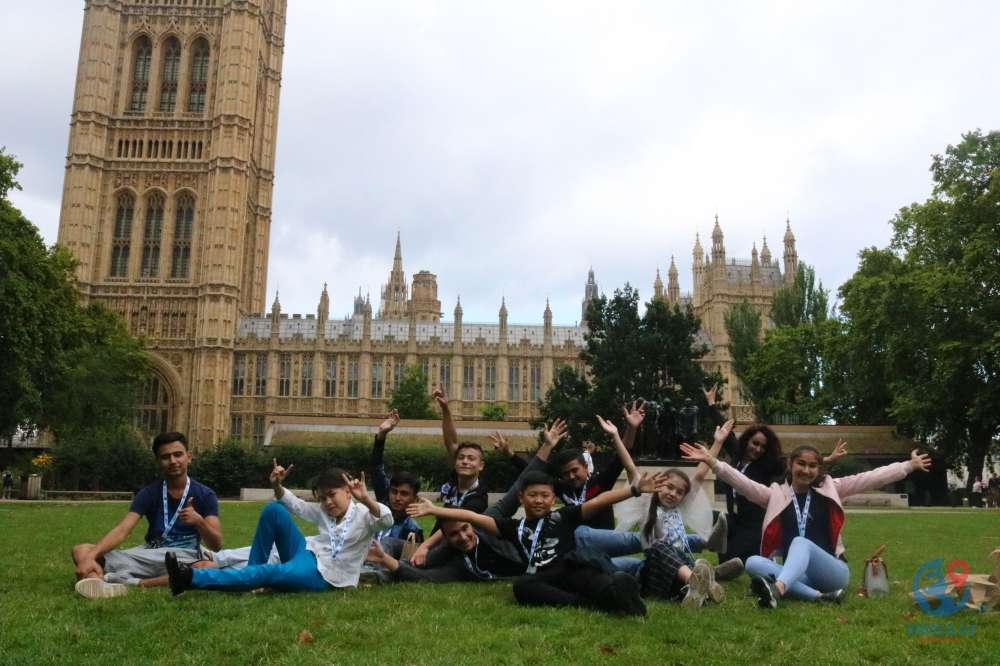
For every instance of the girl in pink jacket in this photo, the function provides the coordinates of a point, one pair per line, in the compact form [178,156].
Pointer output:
[803,519]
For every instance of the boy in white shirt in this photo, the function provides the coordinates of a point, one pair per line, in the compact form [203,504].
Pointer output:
[333,559]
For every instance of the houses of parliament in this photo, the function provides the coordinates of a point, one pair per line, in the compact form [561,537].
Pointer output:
[167,208]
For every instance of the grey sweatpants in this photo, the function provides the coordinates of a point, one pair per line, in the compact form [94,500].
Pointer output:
[134,564]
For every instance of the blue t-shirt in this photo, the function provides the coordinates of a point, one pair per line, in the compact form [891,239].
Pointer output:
[148,502]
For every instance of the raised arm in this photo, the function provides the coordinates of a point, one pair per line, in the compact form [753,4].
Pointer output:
[424,507]
[278,474]
[646,483]
[501,445]
[757,493]
[721,435]
[359,491]
[380,478]
[623,455]
[449,432]
[880,476]
[633,419]
[550,437]
[839,451]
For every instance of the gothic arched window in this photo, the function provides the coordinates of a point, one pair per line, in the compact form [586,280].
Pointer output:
[142,54]
[153,412]
[199,76]
[183,226]
[121,235]
[168,81]
[152,232]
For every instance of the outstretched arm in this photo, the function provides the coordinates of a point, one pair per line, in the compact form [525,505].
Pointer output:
[757,493]
[880,476]
[721,435]
[501,445]
[424,507]
[359,491]
[448,430]
[633,419]
[839,451]
[550,437]
[380,478]
[647,483]
[623,455]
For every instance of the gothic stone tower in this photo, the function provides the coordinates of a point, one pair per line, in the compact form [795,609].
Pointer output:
[167,196]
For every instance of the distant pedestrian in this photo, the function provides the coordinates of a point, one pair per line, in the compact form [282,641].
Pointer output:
[8,484]
[977,492]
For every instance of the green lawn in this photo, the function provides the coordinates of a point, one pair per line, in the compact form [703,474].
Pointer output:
[43,621]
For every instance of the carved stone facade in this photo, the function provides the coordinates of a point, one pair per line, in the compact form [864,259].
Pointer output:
[167,195]
[167,207]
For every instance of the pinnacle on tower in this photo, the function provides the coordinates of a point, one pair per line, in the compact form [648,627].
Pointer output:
[276,306]
[658,286]
[458,308]
[503,306]
[673,286]
[765,252]
[323,311]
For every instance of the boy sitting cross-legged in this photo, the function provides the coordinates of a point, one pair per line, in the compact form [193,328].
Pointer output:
[556,575]
[333,560]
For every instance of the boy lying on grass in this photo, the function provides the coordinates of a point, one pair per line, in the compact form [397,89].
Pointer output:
[557,573]
[333,560]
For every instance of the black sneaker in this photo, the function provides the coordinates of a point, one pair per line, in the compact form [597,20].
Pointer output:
[765,590]
[180,575]
[626,599]
[835,597]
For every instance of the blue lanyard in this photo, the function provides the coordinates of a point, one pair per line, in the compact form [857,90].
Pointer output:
[338,533]
[534,542]
[673,528]
[452,496]
[168,524]
[578,498]
[802,514]
[472,564]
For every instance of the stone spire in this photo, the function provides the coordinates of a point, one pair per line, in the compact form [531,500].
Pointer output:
[275,316]
[395,292]
[765,253]
[754,264]
[590,292]
[458,310]
[503,320]
[323,311]
[359,304]
[658,286]
[673,286]
[718,246]
[791,257]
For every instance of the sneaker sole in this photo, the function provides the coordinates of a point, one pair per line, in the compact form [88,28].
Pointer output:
[698,586]
[765,599]
[95,588]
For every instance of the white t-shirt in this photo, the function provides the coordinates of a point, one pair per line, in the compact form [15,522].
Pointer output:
[345,571]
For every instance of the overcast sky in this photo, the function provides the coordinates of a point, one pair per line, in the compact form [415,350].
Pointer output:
[516,144]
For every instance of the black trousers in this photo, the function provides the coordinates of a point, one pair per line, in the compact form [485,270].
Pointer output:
[564,584]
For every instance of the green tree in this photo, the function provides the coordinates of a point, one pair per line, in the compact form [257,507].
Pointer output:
[803,301]
[743,327]
[410,398]
[496,411]
[653,356]
[37,311]
[927,309]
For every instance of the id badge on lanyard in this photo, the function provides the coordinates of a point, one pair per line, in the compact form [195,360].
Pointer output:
[532,568]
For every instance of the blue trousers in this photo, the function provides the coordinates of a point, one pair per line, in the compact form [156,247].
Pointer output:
[296,572]
[617,545]
[808,570]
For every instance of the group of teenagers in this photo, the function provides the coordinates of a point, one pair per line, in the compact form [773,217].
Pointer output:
[567,556]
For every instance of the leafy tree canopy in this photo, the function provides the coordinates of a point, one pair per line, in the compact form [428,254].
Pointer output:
[410,398]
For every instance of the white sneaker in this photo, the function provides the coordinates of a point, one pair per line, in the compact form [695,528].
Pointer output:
[97,588]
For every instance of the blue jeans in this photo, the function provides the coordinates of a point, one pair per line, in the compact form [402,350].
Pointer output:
[808,570]
[614,544]
[296,572]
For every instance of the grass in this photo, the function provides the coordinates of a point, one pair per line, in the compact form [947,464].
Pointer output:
[42,621]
